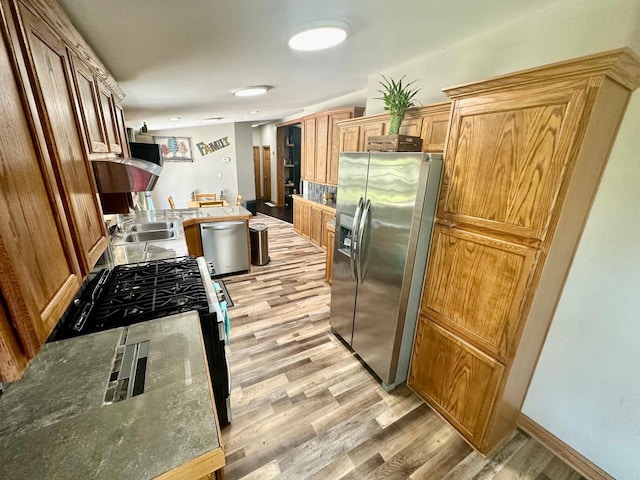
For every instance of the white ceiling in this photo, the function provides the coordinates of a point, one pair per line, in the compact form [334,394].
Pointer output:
[183,58]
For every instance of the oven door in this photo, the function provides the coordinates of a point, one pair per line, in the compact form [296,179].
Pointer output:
[214,334]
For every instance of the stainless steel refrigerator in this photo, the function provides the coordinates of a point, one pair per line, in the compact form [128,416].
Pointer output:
[384,218]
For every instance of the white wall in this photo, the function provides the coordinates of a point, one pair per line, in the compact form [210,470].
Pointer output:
[586,389]
[570,28]
[208,173]
[244,160]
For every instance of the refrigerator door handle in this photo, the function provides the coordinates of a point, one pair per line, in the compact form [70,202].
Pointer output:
[353,251]
[363,223]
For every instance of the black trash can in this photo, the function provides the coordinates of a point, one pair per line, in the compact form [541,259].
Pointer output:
[258,236]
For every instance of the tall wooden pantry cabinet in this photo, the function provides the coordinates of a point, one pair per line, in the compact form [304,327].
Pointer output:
[524,156]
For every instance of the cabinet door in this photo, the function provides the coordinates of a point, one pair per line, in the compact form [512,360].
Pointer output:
[309,149]
[56,102]
[507,158]
[331,238]
[333,161]
[297,216]
[475,286]
[38,273]
[411,126]
[305,215]
[326,218]
[434,132]
[122,129]
[315,225]
[109,118]
[456,379]
[371,130]
[349,139]
[89,103]
[322,146]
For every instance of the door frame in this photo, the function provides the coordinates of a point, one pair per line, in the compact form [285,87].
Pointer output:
[257,173]
[266,172]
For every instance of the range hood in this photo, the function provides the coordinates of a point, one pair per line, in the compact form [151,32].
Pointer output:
[122,175]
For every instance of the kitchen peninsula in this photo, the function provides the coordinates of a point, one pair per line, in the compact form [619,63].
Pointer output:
[56,424]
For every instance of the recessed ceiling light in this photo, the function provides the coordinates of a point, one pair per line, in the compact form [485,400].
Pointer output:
[319,37]
[174,119]
[252,91]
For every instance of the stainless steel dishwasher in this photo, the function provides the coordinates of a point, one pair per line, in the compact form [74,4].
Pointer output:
[225,245]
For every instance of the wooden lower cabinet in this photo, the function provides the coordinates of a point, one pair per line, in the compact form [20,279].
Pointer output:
[459,380]
[524,156]
[315,225]
[310,220]
[331,240]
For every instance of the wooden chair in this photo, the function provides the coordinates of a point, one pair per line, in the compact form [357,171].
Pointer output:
[172,204]
[205,196]
[238,200]
[211,203]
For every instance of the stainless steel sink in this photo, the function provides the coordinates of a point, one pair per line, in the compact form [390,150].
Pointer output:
[150,236]
[146,227]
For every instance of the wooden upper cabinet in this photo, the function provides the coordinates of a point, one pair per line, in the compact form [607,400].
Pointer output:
[349,138]
[321,144]
[411,126]
[434,131]
[109,119]
[309,149]
[429,122]
[322,139]
[39,276]
[457,379]
[121,129]
[89,102]
[371,130]
[335,141]
[462,264]
[59,112]
[507,159]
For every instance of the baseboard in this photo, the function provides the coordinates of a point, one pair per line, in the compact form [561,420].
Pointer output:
[563,451]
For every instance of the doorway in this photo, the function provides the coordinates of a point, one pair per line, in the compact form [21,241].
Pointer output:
[257,175]
[266,171]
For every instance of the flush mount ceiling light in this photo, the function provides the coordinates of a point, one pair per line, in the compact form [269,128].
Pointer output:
[319,36]
[174,119]
[211,119]
[252,91]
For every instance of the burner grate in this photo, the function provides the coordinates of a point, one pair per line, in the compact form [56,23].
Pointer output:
[148,290]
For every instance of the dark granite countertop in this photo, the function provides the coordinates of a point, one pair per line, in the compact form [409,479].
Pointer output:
[54,423]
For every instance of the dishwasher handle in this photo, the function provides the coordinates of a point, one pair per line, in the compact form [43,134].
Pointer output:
[221,225]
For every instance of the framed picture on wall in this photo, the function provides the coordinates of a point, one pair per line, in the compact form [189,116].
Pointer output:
[175,149]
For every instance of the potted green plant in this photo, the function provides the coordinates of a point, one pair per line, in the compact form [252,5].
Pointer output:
[398,98]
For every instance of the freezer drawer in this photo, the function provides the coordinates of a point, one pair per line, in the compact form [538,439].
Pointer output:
[225,245]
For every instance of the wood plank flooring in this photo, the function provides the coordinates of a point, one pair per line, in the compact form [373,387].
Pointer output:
[305,408]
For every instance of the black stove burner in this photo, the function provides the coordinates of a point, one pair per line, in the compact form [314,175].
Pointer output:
[144,291]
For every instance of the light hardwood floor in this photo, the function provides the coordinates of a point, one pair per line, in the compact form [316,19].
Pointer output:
[305,408]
